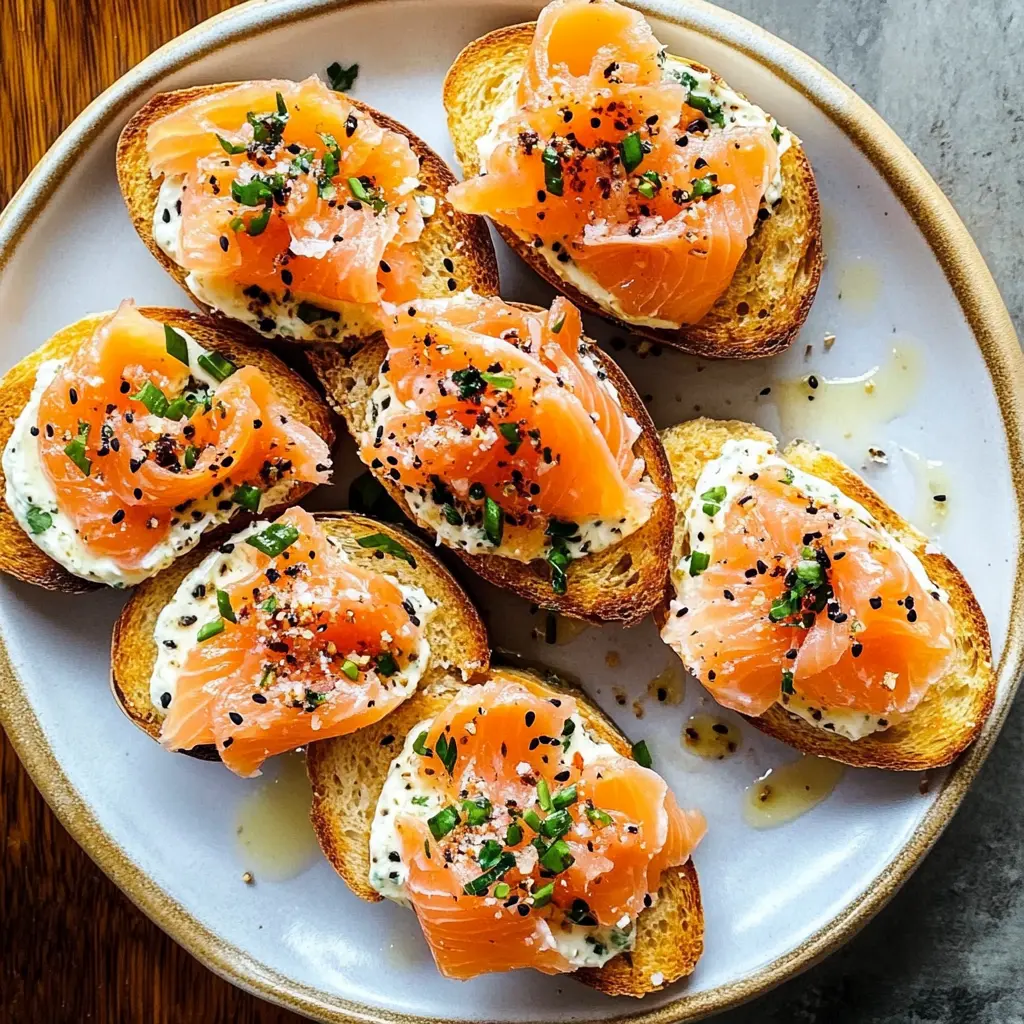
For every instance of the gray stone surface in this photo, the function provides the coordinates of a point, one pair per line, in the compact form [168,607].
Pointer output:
[948,75]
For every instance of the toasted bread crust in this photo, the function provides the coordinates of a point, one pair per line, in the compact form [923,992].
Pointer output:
[348,774]
[953,710]
[771,293]
[622,584]
[456,634]
[19,556]
[447,234]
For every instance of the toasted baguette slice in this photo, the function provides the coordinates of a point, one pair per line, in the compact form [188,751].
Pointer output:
[458,641]
[623,583]
[447,235]
[19,557]
[348,774]
[953,710]
[770,295]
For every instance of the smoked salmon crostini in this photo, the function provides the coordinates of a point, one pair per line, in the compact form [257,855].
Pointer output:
[290,632]
[130,435]
[801,600]
[519,444]
[637,183]
[514,821]
[295,209]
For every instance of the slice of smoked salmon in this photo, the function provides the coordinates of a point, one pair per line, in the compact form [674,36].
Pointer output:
[493,401]
[605,164]
[290,188]
[540,832]
[316,651]
[801,596]
[125,472]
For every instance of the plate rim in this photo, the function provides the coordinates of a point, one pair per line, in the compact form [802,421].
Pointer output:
[973,287]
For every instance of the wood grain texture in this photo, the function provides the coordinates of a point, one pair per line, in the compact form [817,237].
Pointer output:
[72,947]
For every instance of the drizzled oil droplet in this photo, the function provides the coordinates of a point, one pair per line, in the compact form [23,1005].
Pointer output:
[784,793]
[711,737]
[275,838]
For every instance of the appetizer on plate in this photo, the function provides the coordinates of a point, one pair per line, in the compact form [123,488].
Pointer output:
[512,819]
[129,435]
[295,209]
[520,445]
[292,631]
[639,184]
[800,599]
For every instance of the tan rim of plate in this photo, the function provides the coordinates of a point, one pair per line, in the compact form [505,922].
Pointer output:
[971,283]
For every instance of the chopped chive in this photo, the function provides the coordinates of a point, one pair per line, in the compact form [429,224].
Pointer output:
[543,794]
[231,148]
[553,180]
[513,835]
[699,561]
[385,664]
[252,193]
[716,494]
[443,822]
[510,431]
[236,224]
[787,476]
[542,897]
[556,327]
[270,605]
[216,366]
[75,449]
[494,521]
[555,825]
[258,224]
[38,520]
[209,630]
[787,681]
[281,108]
[248,497]
[631,151]
[704,188]
[501,890]
[388,545]
[642,755]
[479,885]
[421,801]
[490,854]
[557,857]
[477,811]
[341,78]
[181,408]
[558,558]
[350,668]
[776,134]
[224,606]
[451,514]
[598,817]
[810,572]
[274,539]
[502,382]
[564,798]
[420,747]
[708,106]
[176,344]
[191,456]
[152,398]
[533,819]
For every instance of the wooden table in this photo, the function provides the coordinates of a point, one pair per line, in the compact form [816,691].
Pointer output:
[72,947]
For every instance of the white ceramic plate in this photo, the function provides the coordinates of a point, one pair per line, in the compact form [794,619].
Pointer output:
[901,271]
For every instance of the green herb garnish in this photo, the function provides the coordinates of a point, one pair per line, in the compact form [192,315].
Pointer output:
[274,539]
[650,184]
[704,188]
[494,521]
[513,835]
[176,344]
[631,152]
[787,681]
[248,497]
[557,857]
[533,819]
[224,606]
[477,811]
[420,747]
[451,514]
[443,822]
[501,890]
[699,561]
[556,327]
[75,449]
[367,194]
[258,224]
[421,801]
[490,854]
[341,78]
[388,545]
[255,192]
[542,897]
[191,456]
[38,520]
[642,755]
[385,664]
[555,825]
[231,148]
[510,431]
[501,382]
[209,630]
[776,134]
[543,795]
[479,885]
[216,366]
[598,817]
[564,798]
[270,605]
[553,180]
[708,106]
[351,669]
[712,499]
[446,752]
[152,398]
